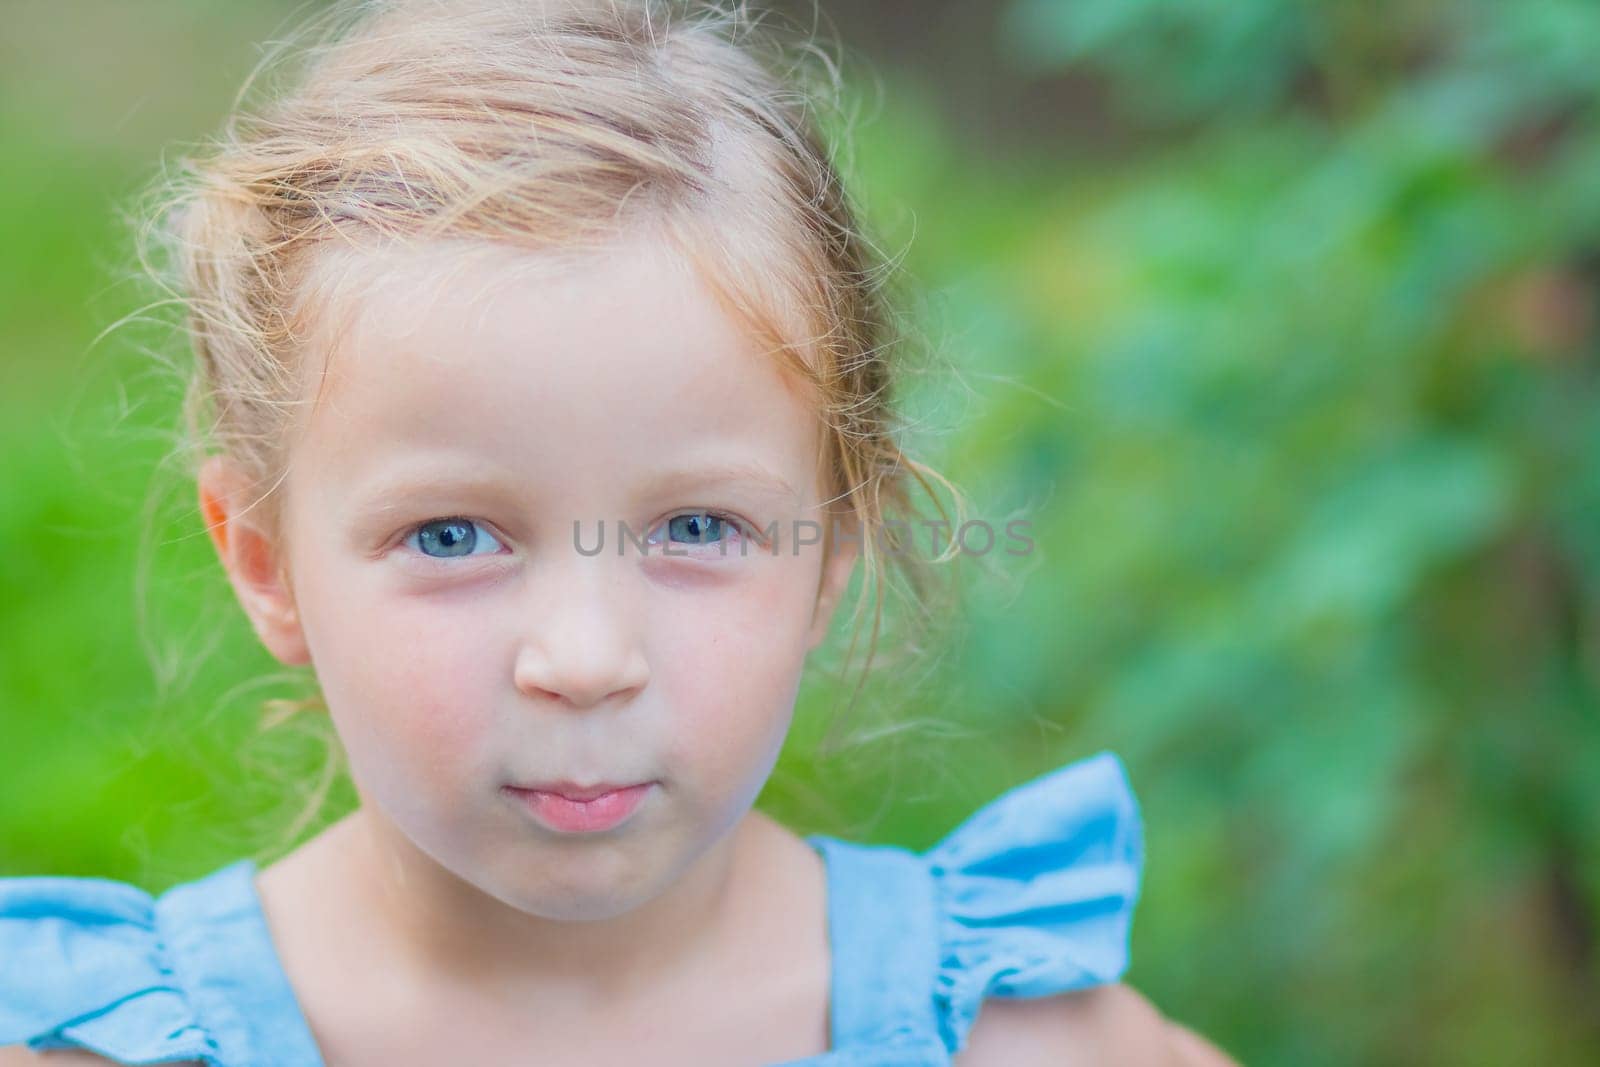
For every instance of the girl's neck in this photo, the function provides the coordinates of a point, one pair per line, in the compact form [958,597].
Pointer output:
[454,932]
[756,987]
[757,895]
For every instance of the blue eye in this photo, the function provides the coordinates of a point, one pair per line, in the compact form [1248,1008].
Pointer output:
[452,538]
[701,528]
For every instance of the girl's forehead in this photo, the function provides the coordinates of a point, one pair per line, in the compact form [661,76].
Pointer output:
[516,353]
[393,289]
[364,296]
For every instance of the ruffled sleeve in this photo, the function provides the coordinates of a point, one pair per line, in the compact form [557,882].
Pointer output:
[82,966]
[1035,892]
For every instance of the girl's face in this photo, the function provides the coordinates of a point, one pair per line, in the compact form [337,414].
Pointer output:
[463,641]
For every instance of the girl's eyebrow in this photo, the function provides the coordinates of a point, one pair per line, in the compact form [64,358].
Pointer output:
[384,495]
[753,475]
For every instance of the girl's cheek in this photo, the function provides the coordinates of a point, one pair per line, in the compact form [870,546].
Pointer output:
[731,691]
[416,692]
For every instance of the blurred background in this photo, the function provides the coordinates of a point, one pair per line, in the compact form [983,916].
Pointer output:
[1278,320]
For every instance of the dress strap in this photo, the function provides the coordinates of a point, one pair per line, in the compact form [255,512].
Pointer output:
[883,934]
[223,954]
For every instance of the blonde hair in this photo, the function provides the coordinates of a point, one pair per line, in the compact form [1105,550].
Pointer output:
[557,126]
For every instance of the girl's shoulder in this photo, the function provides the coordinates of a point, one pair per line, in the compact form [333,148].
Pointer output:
[1030,896]
[103,967]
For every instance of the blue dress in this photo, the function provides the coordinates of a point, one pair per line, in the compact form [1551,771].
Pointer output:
[1031,895]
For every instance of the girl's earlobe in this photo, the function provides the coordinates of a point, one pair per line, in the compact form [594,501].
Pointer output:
[253,561]
[216,518]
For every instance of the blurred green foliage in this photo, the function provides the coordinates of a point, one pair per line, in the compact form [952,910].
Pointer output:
[1296,378]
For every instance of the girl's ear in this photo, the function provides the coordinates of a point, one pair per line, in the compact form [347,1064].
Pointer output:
[843,547]
[256,565]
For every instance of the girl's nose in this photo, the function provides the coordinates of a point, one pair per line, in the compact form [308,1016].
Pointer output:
[580,643]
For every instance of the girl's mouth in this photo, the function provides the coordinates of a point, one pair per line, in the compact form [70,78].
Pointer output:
[568,809]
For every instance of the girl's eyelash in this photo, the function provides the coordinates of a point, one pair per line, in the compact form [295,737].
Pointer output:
[737,523]
[747,531]
[744,529]
[417,527]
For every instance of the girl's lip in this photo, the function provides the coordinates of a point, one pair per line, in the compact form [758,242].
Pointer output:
[568,814]
[573,791]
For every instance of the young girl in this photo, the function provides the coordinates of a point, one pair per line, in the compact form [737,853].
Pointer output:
[546,375]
